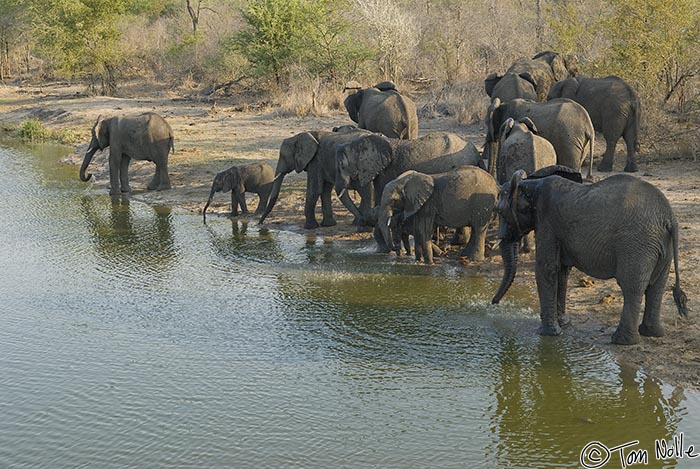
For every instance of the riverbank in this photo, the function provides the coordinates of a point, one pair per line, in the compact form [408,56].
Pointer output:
[210,137]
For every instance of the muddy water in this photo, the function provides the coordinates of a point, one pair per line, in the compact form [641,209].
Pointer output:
[135,336]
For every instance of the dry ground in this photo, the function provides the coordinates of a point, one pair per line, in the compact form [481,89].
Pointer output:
[209,139]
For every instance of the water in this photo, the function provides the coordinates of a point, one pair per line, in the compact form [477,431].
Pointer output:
[135,336]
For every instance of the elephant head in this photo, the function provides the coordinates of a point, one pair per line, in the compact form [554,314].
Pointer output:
[224,181]
[517,215]
[523,124]
[406,195]
[99,141]
[566,88]
[563,66]
[295,155]
[362,160]
[513,82]
[352,105]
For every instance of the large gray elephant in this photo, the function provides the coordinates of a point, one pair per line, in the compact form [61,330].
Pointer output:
[545,69]
[463,197]
[614,109]
[383,109]
[621,228]
[510,86]
[255,178]
[314,153]
[377,159]
[142,137]
[564,123]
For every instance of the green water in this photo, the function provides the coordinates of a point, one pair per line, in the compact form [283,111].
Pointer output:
[136,336]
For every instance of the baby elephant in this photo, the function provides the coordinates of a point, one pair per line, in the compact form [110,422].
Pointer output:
[256,178]
[463,197]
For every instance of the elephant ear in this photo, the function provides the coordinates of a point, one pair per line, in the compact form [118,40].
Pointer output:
[101,131]
[352,105]
[227,180]
[527,76]
[559,67]
[507,127]
[529,124]
[370,155]
[558,170]
[490,82]
[569,87]
[417,189]
[386,86]
[305,148]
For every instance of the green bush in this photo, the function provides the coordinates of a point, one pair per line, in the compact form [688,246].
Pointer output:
[32,131]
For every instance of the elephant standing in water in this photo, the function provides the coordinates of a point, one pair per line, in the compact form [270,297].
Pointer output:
[614,109]
[621,227]
[382,109]
[377,159]
[464,197]
[314,153]
[564,123]
[256,178]
[142,137]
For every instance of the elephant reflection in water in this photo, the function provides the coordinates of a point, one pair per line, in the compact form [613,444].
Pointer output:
[547,410]
[128,240]
[257,245]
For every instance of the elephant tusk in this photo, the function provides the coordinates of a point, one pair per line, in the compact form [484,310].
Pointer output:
[498,243]
[340,196]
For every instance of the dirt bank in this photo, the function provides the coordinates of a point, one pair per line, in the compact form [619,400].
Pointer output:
[210,138]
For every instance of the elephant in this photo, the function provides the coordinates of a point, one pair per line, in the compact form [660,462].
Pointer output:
[462,197]
[510,86]
[255,177]
[314,152]
[545,69]
[383,110]
[521,148]
[400,229]
[620,227]
[614,109]
[563,122]
[378,159]
[145,136]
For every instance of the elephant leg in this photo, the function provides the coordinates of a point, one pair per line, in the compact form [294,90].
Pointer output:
[406,243]
[234,203]
[241,202]
[326,206]
[562,285]
[261,204]
[606,165]
[631,164]
[626,332]
[124,173]
[164,176]
[651,321]
[155,180]
[309,211]
[547,271]
[426,245]
[114,167]
[474,249]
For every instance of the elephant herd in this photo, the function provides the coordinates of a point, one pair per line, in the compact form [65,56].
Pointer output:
[620,227]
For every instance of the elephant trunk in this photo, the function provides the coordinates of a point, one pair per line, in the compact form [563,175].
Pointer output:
[509,252]
[384,223]
[206,206]
[492,148]
[276,186]
[86,161]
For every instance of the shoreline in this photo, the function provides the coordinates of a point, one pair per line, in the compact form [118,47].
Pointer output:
[210,139]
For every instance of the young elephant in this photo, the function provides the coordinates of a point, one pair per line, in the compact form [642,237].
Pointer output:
[383,109]
[614,109]
[256,178]
[464,197]
[145,136]
[621,227]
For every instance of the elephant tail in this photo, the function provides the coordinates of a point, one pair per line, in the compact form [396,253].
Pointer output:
[637,123]
[679,296]
[172,144]
[591,144]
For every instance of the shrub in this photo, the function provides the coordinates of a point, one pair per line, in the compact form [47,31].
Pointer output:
[31,130]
